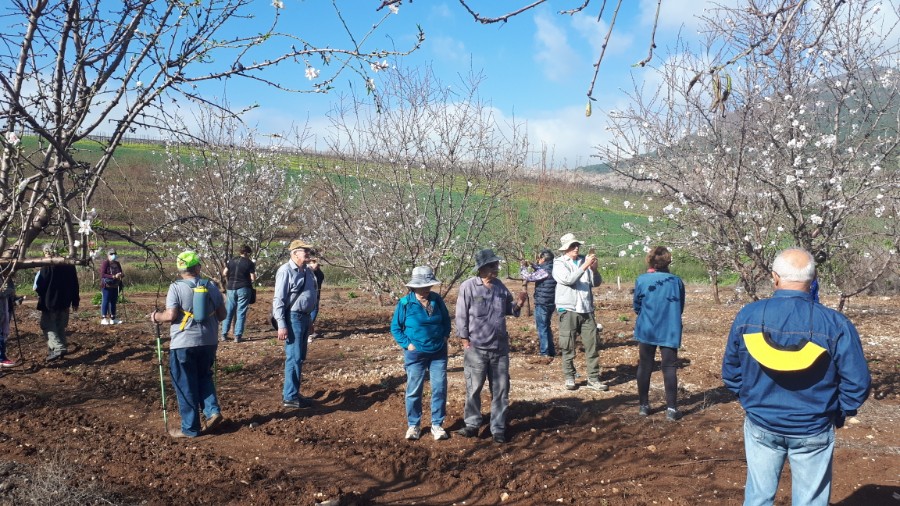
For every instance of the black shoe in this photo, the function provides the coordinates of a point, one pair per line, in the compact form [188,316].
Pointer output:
[468,431]
[301,402]
[673,415]
[644,410]
[238,339]
[499,439]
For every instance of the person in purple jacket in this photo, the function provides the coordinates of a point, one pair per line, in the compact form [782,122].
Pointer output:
[111,276]
[658,303]
[421,326]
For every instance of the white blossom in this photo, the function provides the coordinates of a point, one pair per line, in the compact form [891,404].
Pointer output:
[278,4]
[84,227]
[312,73]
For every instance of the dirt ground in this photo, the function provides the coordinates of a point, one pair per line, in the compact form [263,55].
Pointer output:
[92,423]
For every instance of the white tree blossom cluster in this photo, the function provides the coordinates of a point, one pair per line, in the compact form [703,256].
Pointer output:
[416,179]
[793,144]
[223,191]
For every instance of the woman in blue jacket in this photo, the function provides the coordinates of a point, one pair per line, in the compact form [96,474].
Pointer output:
[659,303]
[421,326]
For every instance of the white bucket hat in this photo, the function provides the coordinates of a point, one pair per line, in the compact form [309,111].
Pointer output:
[421,277]
[566,242]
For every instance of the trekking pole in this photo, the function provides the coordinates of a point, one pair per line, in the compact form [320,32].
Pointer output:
[162,384]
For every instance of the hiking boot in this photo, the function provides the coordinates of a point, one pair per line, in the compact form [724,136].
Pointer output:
[570,384]
[644,410]
[439,433]
[500,438]
[291,404]
[55,355]
[104,321]
[214,421]
[412,433]
[597,385]
[177,433]
[673,415]
[468,431]
[8,363]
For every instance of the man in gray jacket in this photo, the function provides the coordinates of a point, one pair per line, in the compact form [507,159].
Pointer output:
[575,276]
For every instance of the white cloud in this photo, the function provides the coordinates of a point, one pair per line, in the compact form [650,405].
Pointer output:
[553,54]
[568,134]
[449,50]
[594,32]
[675,14]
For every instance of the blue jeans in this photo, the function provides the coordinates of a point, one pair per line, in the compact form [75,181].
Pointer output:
[109,297]
[416,364]
[237,305]
[192,378]
[479,365]
[810,458]
[542,321]
[294,354]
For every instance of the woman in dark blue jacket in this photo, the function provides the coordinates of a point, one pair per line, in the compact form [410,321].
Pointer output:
[659,303]
[421,326]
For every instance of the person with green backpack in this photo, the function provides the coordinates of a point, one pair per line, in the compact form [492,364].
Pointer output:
[194,308]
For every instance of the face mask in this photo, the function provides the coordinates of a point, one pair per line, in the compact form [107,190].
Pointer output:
[113,257]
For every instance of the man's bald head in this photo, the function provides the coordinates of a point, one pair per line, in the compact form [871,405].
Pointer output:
[794,268]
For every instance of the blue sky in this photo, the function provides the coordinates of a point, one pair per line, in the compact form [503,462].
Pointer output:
[538,66]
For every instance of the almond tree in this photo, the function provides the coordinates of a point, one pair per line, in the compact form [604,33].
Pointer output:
[73,68]
[223,190]
[794,145]
[417,178]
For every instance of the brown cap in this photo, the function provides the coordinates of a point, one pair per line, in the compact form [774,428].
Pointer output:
[298,244]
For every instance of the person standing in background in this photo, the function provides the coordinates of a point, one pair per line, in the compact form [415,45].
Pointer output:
[544,300]
[57,289]
[240,274]
[313,263]
[658,302]
[111,276]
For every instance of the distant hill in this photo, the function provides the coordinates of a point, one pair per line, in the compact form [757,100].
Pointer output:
[599,168]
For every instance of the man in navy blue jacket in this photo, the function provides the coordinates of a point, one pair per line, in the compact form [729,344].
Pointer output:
[798,370]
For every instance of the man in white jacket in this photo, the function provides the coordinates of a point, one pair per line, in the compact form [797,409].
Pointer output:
[575,276]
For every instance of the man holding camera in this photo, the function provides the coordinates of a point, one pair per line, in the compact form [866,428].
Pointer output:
[576,276]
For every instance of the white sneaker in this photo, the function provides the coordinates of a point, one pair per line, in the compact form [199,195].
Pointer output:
[438,432]
[104,321]
[412,433]
[116,321]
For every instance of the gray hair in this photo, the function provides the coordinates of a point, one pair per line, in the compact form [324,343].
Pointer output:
[795,264]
